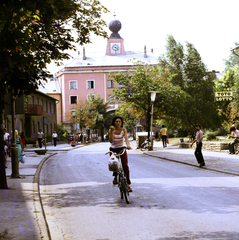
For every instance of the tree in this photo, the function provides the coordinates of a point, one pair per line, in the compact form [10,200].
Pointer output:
[141,79]
[34,33]
[233,59]
[129,113]
[228,82]
[189,73]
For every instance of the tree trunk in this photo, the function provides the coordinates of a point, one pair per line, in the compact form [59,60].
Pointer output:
[3,179]
[102,133]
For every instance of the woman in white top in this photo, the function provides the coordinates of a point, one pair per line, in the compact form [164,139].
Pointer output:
[117,134]
[54,137]
[40,136]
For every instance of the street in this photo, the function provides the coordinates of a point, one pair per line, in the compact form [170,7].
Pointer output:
[169,200]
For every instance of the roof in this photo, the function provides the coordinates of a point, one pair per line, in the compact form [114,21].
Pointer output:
[99,60]
[50,87]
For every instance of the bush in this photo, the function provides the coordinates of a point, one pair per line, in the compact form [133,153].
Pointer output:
[210,135]
[222,132]
[61,133]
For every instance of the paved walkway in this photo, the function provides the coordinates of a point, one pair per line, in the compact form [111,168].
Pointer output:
[21,212]
[216,161]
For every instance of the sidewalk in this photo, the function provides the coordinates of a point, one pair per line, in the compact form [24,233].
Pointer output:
[20,207]
[215,161]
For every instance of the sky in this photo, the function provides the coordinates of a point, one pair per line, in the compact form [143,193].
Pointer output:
[210,25]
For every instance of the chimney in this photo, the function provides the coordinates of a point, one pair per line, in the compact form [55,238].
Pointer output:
[145,52]
[84,57]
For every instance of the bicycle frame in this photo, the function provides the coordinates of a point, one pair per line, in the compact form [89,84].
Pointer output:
[122,181]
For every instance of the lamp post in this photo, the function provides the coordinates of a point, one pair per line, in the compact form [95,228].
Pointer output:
[153,96]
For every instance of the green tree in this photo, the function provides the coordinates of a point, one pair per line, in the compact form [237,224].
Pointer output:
[141,79]
[94,114]
[187,71]
[129,113]
[233,59]
[34,33]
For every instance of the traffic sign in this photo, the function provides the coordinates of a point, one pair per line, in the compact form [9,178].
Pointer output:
[142,122]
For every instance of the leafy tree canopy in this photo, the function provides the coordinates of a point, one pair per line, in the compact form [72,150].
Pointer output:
[34,33]
[137,83]
[233,59]
[187,71]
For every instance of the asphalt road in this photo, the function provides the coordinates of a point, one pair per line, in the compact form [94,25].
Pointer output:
[169,200]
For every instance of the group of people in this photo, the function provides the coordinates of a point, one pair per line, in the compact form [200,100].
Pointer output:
[82,137]
[41,140]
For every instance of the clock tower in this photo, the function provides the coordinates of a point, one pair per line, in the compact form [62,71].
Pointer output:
[115,44]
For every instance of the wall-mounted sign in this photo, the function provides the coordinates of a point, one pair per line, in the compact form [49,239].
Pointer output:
[223,96]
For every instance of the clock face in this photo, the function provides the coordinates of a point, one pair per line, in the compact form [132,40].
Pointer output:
[115,48]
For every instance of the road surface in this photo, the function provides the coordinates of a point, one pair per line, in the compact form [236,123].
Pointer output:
[169,200]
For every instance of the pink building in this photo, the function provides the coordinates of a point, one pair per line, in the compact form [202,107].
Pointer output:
[89,72]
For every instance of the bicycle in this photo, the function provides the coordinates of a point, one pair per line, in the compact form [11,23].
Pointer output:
[115,165]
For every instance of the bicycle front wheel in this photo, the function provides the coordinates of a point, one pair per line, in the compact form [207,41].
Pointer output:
[125,191]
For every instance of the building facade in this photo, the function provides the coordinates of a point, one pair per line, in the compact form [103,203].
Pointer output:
[89,73]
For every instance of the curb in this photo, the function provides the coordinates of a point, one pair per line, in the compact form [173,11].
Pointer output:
[39,210]
[192,165]
[57,150]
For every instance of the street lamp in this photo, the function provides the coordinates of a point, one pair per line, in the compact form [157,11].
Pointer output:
[153,96]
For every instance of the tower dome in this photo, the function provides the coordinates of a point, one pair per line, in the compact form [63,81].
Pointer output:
[115,26]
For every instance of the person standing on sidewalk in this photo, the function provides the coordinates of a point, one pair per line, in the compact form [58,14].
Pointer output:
[198,150]
[234,134]
[163,134]
[54,137]
[40,135]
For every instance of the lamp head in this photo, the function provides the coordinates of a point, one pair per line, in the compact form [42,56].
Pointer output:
[153,95]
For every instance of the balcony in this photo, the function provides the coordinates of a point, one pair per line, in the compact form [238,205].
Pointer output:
[33,109]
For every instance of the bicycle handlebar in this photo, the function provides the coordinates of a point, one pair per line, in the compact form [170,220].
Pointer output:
[117,154]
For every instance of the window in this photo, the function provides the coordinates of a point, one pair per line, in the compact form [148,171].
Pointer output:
[110,84]
[73,85]
[90,84]
[44,105]
[73,99]
[110,99]
[88,96]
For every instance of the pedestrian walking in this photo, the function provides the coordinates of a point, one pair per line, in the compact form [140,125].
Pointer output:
[23,137]
[235,135]
[68,138]
[163,134]
[40,136]
[198,151]
[54,137]
[19,145]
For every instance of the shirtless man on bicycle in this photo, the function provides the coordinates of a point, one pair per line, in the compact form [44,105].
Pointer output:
[117,134]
